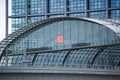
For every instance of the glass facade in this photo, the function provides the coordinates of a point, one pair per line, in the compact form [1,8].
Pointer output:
[57,8]
[76,58]
[74,34]
[68,42]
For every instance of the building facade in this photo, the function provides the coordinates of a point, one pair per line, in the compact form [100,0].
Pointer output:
[62,41]
[22,12]
[64,48]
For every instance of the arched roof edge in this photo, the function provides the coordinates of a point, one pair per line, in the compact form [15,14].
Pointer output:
[26,28]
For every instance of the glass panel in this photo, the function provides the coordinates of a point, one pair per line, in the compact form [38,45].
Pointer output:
[53,16]
[17,23]
[77,14]
[75,34]
[50,59]
[18,7]
[36,6]
[115,14]
[97,4]
[115,3]
[80,58]
[56,6]
[3,61]
[34,19]
[76,5]
[101,14]
[106,58]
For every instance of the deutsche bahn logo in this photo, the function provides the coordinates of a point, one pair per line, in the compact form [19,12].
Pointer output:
[60,39]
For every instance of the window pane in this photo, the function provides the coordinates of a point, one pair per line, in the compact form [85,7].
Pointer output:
[17,23]
[18,7]
[115,3]
[115,14]
[101,14]
[75,5]
[97,4]
[36,6]
[56,6]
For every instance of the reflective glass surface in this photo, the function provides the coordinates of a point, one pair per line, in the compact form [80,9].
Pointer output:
[82,38]
[109,56]
[53,16]
[17,23]
[97,4]
[74,34]
[37,18]
[75,5]
[50,59]
[94,58]
[115,3]
[18,7]
[77,15]
[36,6]
[115,14]
[56,6]
[31,9]
[100,14]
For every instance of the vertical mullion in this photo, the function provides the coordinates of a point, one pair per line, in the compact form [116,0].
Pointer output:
[86,7]
[107,8]
[7,17]
[46,8]
[65,7]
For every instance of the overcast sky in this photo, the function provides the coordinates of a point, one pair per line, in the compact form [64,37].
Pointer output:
[2,19]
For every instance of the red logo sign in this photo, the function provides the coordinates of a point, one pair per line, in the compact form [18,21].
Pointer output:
[60,39]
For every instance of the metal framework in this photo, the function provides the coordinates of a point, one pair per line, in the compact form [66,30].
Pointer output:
[74,57]
[100,57]
[31,26]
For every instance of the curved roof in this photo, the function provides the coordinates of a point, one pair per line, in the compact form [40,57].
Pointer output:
[67,55]
[30,26]
[98,57]
[110,23]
